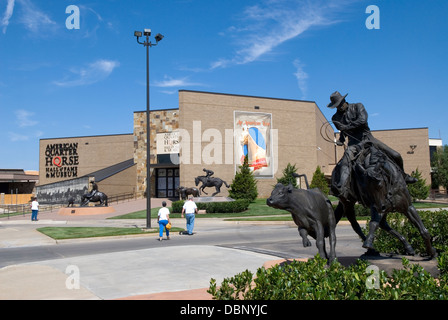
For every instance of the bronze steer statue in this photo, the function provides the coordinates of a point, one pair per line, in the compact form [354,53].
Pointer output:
[312,213]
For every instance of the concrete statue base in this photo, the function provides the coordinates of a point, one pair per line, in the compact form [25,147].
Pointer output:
[81,211]
[212,199]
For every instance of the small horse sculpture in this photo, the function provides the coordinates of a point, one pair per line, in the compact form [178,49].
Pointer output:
[97,197]
[184,192]
[210,182]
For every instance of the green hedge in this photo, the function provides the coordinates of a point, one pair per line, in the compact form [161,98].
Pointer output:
[239,205]
[360,210]
[435,221]
[315,280]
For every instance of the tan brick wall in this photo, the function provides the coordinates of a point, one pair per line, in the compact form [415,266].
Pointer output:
[86,155]
[298,124]
[401,140]
[120,183]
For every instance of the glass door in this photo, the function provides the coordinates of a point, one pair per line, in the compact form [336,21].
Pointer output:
[167,182]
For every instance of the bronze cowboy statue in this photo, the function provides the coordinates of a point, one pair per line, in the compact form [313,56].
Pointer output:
[372,174]
[94,196]
[208,181]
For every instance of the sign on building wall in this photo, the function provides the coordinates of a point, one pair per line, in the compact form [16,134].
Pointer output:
[168,142]
[253,139]
[61,160]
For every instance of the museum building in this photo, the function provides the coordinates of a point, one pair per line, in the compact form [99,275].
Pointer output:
[213,131]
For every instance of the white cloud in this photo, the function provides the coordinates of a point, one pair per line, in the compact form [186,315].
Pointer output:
[301,77]
[8,14]
[17,137]
[170,82]
[271,23]
[30,16]
[24,118]
[92,73]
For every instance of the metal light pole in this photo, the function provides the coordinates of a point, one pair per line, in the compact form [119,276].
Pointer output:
[148,44]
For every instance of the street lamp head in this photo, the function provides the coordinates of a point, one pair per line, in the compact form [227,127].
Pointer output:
[137,34]
[158,37]
[147,32]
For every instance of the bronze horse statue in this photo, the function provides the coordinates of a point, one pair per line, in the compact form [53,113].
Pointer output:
[377,183]
[184,192]
[210,182]
[97,197]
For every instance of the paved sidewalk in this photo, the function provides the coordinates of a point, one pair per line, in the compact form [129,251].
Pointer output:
[174,273]
[149,274]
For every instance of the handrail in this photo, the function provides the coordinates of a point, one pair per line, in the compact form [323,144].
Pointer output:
[25,208]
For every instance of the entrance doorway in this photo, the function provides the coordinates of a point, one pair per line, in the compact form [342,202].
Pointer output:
[167,182]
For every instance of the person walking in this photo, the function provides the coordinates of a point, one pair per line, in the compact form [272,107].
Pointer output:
[190,209]
[34,209]
[163,218]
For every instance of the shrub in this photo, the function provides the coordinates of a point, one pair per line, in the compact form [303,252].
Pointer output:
[287,177]
[239,205]
[418,190]
[244,185]
[319,181]
[360,210]
[435,222]
[314,280]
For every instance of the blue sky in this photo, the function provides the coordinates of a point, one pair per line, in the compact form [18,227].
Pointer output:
[60,82]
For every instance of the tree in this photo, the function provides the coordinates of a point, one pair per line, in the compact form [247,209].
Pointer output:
[440,167]
[244,185]
[287,177]
[319,181]
[418,190]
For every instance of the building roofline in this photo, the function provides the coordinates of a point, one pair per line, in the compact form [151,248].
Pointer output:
[400,129]
[247,96]
[169,109]
[92,136]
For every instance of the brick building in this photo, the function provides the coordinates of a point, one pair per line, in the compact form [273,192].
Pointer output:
[213,131]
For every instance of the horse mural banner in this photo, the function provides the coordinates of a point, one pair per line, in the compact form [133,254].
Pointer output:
[253,139]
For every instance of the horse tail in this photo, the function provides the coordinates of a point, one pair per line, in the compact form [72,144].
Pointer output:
[105,201]
[226,184]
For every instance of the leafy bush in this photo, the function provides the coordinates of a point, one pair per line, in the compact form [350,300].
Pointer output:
[319,181]
[418,190]
[244,185]
[287,177]
[239,205]
[435,222]
[314,280]
[360,210]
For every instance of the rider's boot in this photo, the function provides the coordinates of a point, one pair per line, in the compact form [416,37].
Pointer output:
[409,180]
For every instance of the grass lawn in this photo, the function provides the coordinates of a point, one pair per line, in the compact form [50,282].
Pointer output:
[257,208]
[258,211]
[59,233]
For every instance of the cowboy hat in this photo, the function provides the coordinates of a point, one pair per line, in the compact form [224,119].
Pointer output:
[336,98]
